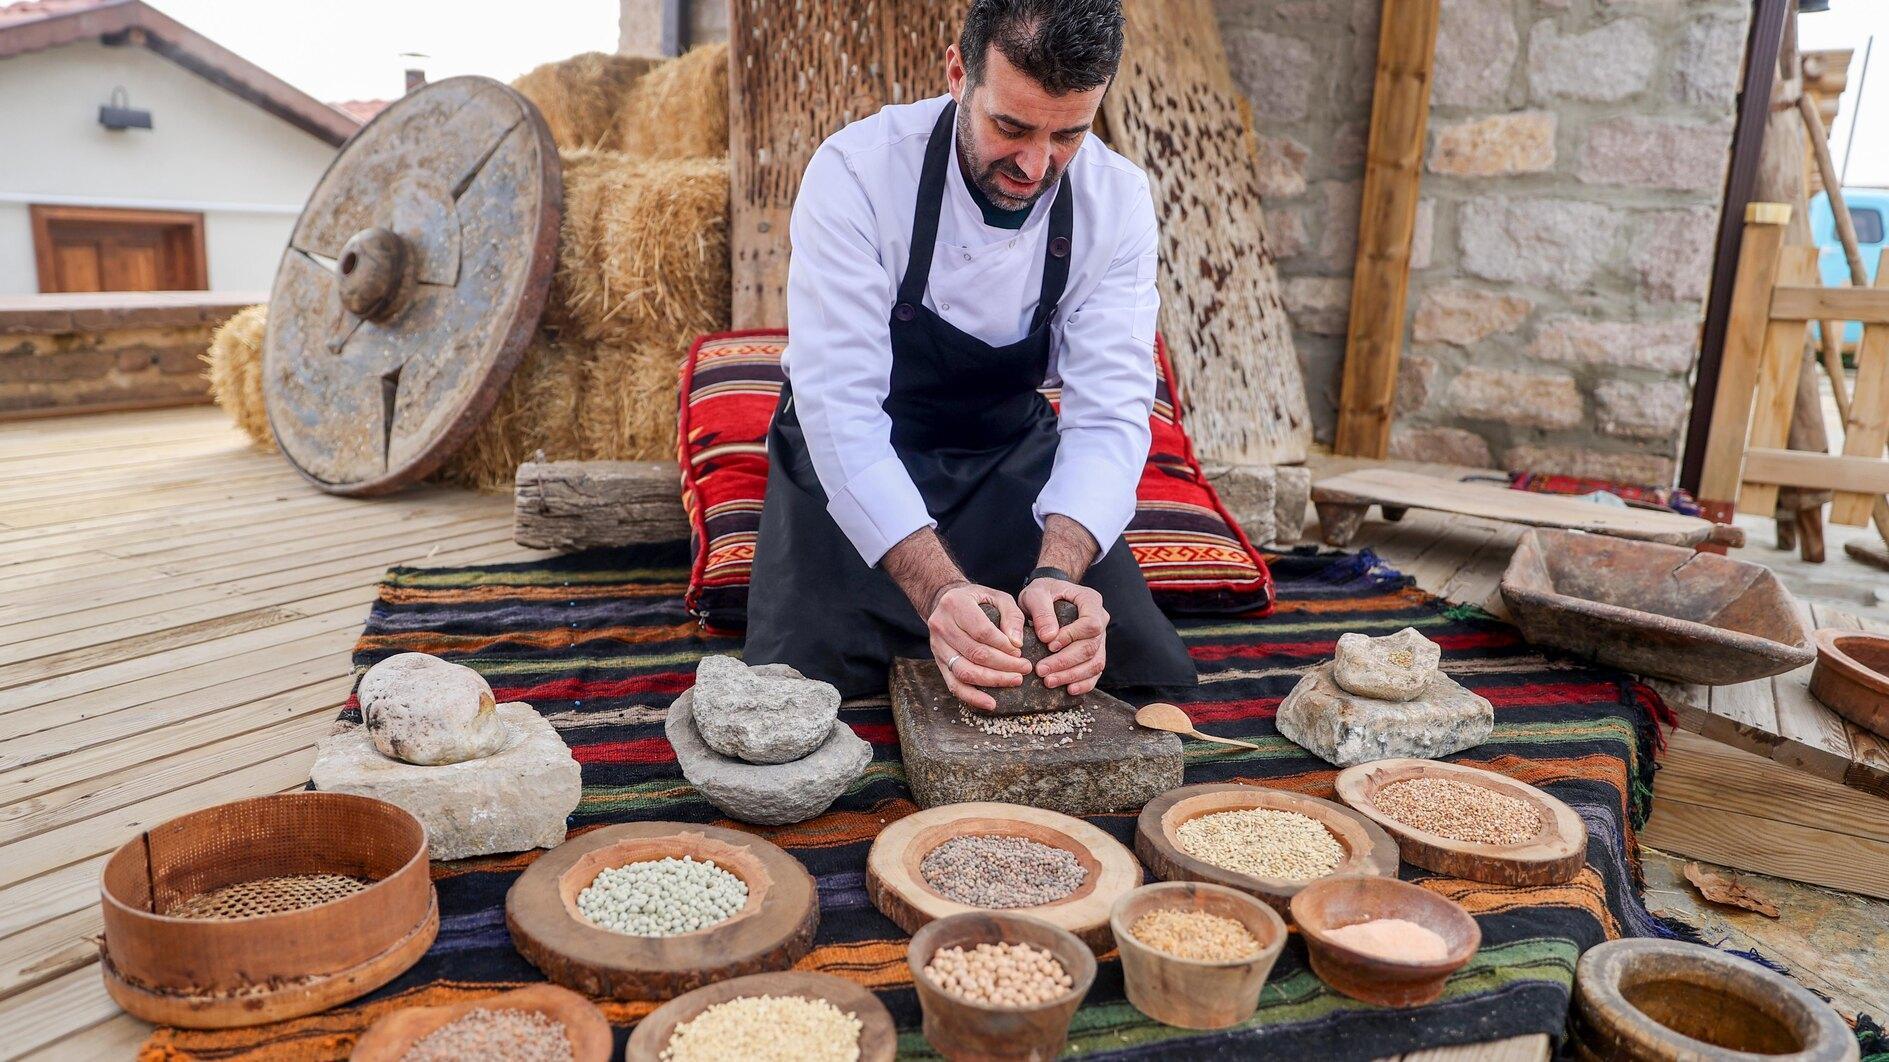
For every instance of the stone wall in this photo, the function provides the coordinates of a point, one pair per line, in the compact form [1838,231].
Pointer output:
[77,353]
[1564,240]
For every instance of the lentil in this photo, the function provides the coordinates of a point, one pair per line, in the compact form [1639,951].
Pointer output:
[992,870]
[1396,939]
[509,1033]
[1074,722]
[1000,975]
[1195,935]
[1281,845]
[662,897]
[1461,811]
[766,1029]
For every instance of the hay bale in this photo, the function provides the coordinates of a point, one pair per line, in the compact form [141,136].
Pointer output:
[234,369]
[538,410]
[580,97]
[679,109]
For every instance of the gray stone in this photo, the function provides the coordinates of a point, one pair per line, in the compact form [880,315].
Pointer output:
[1247,492]
[1465,316]
[517,798]
[1618,466]
[1448,446]
[1641,409]
[1665,346]
[1320,305]
[423,710]
[1555,243]
[1707,61]
[1423,237]
[1415,374]
[1292,492]
[1281,166]
[1534,400]
[1338,243]
[1395,667]
[1655,153]
[1495,145]
[766,714]
[1476,46]
[1610,62]
[766,794]
[1275,71]
[1672,254]
[1345,729]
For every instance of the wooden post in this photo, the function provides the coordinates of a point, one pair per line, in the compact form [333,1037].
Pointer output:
[1380,281]
[1783,362]
[1738,368]
[1839,207]
[1866,429]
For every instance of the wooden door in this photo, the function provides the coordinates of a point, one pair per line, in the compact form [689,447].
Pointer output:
[100,249]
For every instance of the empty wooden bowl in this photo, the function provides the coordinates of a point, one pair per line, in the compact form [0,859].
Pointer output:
[1852,677]
[770,932]
[1332,903]
[1668,1001]
[961,1029]
[1368,849]
[1654,609]
[878,1038]
[390,1038]
[1195,993]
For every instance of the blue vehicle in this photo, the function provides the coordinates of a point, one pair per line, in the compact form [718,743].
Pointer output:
[1869,209]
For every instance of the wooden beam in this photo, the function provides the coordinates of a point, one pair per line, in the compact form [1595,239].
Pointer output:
[1776,400]
[570,505]
[1380,281]
[1797,468]
[1866,428]
[1811,303]
[1744,346]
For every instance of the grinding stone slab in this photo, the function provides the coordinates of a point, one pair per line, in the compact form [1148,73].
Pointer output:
[1118,765]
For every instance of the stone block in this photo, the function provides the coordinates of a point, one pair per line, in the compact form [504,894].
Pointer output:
[424,710]
[1672,255]
[1476,48]
[1637,409]
[773,794]
[1631,468]
[1553,243]
[1446,446]
[1415,373]
[1345,729]
[1285,232]
[1610,62]
[1640,152]
[1292,492]
[1423,235]
[1321,305]
[1247,492]
[515,799]
[1276,72]
[1395,667]
[1497,145]
[1338,242]
[765,714]
[1535,400]
[1465,316]
[1707,60]
[1664,346]
[1281,166]
[57,367]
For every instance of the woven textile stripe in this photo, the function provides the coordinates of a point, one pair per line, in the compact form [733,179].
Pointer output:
[1195,557]
[601,643]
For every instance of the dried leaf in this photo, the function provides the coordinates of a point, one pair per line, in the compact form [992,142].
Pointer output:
[1720,887]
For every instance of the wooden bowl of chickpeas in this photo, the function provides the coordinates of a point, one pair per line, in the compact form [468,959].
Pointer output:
[996,985]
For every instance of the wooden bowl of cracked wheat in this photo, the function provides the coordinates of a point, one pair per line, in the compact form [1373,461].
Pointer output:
[1382,940]
[789,1016]
[264,909]
[1196,955]
[998,986]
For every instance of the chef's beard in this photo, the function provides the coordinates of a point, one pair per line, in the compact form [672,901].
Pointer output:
[984,175]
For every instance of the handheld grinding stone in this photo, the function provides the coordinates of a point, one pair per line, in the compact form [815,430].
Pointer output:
[1032,696]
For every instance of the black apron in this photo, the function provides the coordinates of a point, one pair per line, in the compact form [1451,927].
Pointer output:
[979,441]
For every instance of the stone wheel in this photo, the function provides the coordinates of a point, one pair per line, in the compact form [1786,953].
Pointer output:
[411,285]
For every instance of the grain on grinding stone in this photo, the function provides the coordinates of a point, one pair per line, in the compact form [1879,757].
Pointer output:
[1395,667]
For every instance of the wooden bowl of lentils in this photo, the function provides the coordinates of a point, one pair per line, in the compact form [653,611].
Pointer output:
[995,985]
[1196,955]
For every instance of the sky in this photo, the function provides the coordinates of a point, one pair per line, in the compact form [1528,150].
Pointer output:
[1854,24]
[350,49]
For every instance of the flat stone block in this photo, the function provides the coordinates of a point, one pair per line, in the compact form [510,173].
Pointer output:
[771,794]
[1117,765]
[1346,729]
[515,799]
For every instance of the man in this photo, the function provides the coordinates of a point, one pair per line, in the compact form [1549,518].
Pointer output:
[949,257]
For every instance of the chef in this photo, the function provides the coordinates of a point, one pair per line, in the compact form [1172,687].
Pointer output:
[950,257]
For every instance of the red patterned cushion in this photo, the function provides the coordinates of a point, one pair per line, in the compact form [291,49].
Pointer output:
[1195,558]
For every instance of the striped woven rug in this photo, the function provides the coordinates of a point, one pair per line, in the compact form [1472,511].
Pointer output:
[600,643]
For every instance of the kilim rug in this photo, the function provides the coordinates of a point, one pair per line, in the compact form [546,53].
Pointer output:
[601,644]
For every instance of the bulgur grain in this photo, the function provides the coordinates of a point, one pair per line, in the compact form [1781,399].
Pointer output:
[1195,935]
[1461,811]
[1281,845]
[766,1029]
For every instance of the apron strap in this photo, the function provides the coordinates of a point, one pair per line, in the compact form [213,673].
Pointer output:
[1056,255]
[925,217]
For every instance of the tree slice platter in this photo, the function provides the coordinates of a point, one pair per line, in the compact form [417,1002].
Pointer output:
[898,888]
[411,284]
[770,932]
[1368,849]
[1554,855]
[390,1038]
[878,1037]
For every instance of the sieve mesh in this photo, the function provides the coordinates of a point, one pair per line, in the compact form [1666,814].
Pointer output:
[265,896]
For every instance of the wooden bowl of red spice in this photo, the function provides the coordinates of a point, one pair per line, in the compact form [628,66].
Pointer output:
[1382,940]
[1194,954]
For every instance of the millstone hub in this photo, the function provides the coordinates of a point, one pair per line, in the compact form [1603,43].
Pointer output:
[411,285]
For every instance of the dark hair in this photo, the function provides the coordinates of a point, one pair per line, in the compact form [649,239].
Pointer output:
[1063,45]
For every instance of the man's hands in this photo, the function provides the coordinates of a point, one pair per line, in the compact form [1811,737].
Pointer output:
[970,650]
[1078,651]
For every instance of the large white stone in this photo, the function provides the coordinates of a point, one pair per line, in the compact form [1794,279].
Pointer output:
[1346,729]
[771,794]
[512,800]
[765,714]
[424,710]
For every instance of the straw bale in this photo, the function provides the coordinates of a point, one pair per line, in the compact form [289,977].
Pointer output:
[679,109]
[234,369]
[580,97]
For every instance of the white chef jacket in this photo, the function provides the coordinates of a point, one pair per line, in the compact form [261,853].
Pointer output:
[852,233]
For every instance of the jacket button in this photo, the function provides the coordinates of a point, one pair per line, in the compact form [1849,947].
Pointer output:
[1059,247]
[904,312]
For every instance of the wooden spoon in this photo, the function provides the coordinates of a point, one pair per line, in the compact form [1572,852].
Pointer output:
[1159,716]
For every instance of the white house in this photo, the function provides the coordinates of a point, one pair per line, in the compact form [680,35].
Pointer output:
[198,185]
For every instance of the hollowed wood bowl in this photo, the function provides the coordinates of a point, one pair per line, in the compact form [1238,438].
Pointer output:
[1194,993]
[961,1029]
[1332,903]
[878,1038]
[1852,677]
[770,932]
[1555,854]
[390,1038]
